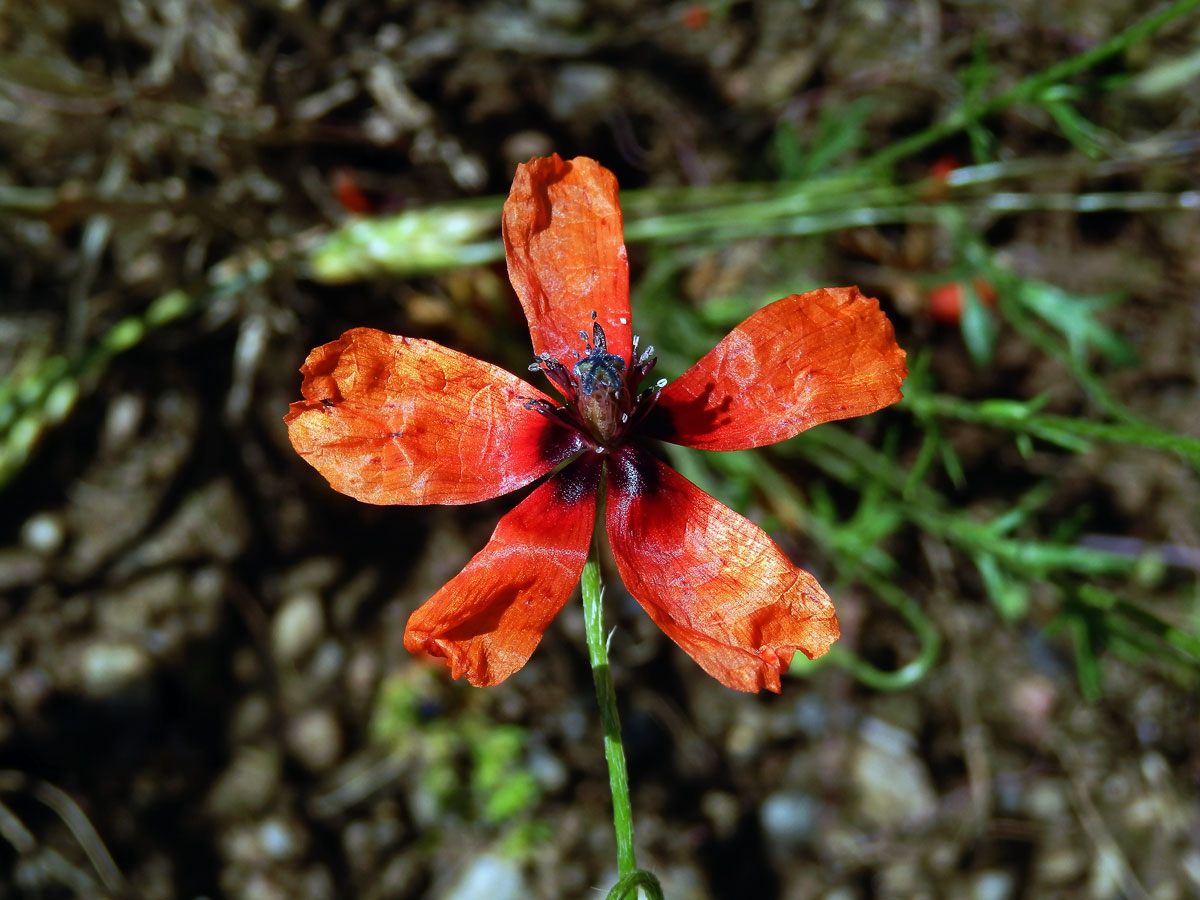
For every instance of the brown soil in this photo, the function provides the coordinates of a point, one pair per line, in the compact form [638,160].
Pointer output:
[195,632]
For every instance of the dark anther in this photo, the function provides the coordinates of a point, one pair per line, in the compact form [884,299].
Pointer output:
[558,374]
[599,341]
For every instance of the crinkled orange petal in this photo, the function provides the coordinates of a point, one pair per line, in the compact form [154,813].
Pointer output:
[489,618]
[390,419]
[803,360]
[566,255]
[711,579]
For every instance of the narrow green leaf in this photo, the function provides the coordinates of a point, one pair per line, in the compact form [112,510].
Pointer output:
[979,327]
[1086,137]
[1087,665]
[1009,596]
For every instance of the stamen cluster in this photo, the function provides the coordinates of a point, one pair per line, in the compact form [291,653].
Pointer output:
[601,402]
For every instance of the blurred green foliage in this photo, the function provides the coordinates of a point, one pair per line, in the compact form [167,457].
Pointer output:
[461,762]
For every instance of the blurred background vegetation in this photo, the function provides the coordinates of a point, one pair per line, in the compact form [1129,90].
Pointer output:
[202,686]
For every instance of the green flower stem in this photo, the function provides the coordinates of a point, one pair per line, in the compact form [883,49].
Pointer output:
[630,876]
[606,695]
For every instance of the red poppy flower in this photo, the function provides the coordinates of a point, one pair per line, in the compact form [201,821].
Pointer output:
[390,419]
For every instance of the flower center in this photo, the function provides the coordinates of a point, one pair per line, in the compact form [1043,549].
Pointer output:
[599,392]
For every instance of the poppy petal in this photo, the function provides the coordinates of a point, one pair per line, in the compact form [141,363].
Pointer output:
[566,255]
[390,419]
[711,579]
[489,618]
[803,360]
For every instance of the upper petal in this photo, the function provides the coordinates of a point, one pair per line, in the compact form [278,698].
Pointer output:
[489,618]
[566,254]
[803,360]
[390,419]
[711,579]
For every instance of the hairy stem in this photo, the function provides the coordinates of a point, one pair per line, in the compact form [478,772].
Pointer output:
[614,751]
[629,877]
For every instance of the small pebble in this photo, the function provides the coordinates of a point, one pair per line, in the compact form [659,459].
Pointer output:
[247,785]
[993,885]
[362,677]
[548,770]
[523,145]
[277,839]
[260,887]
[811,715]
[1047,801]
[722,810]
[328,661]
[315,739]
[121,422]
[297,627]
[789,818]
[43,533]
[106,669]
[891,782]
[492,876]
[684,882]
[1061,865]
[902,878]
[581,86]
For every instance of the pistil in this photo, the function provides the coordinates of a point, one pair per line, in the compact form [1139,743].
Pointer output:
[603,410]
